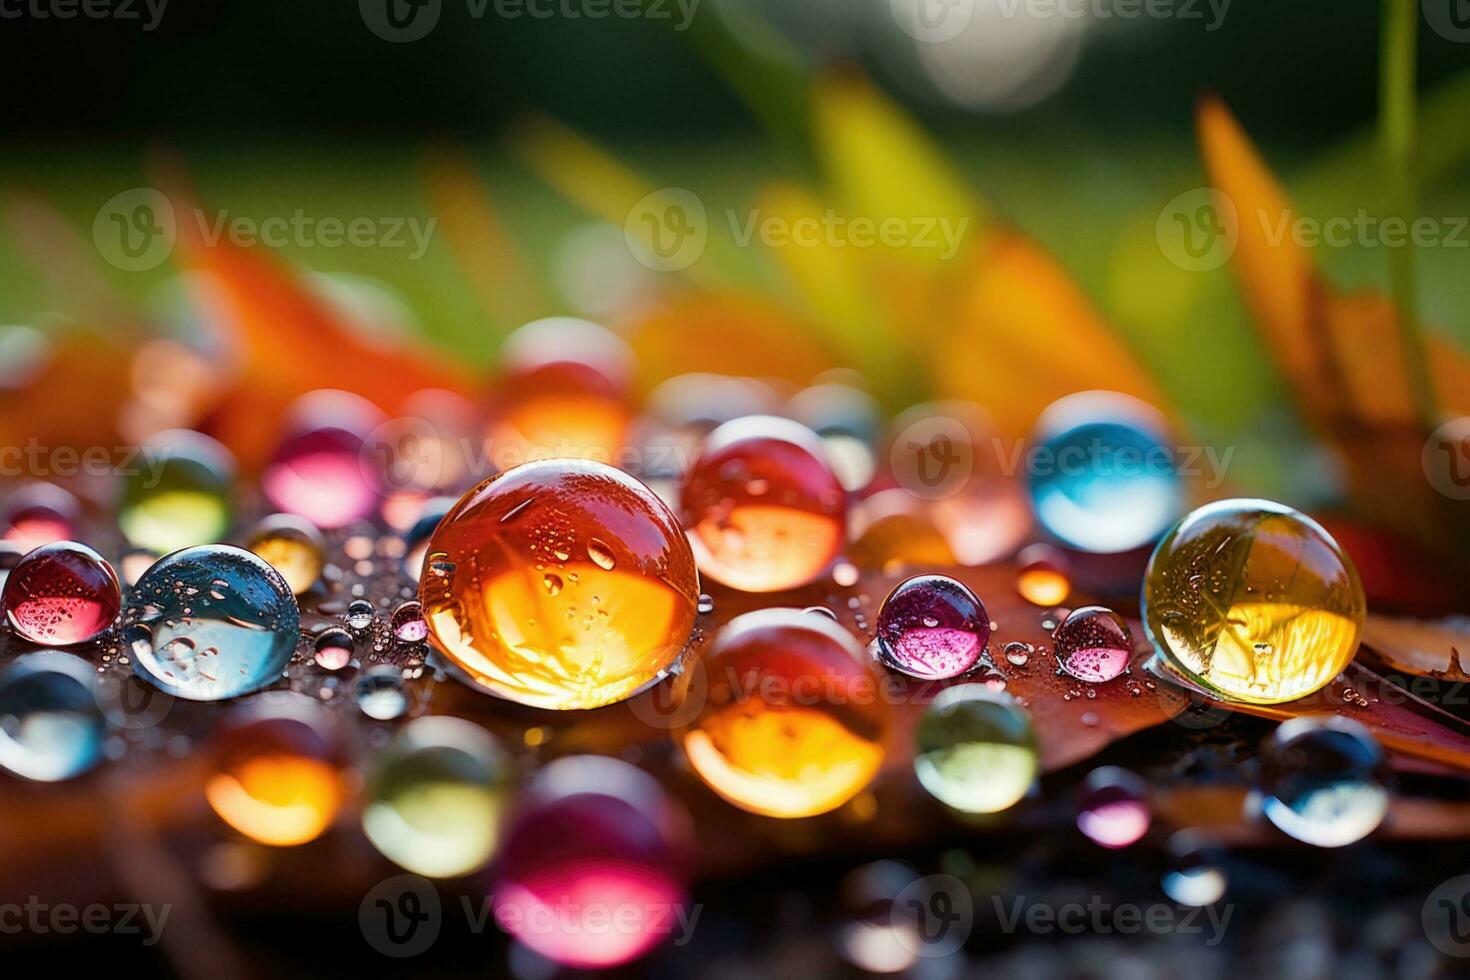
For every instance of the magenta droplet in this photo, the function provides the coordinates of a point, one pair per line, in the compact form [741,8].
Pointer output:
[592,833]
[1111,807]
[61,594]
[324,470]
[932,627]
[408,623]
[35,514]
[1093,644]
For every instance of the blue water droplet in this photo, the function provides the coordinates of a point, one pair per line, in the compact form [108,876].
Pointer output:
[207,643]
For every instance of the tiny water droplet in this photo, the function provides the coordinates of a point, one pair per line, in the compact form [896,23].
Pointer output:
[601,554]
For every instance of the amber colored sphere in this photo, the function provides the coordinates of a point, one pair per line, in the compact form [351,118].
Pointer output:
[560,584]
[563,392]
[1254,601]
[279,775]
[762,506]
[793,723]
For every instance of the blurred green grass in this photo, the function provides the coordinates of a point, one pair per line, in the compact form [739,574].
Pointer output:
[1090,198]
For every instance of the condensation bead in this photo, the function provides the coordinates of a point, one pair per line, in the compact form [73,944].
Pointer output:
[51,726]
[437,798]
[38,513]
[932,627]
[563,392]
[279,773]
[592,834]
[975,750]
[292,546]
[381,692]
[178,496]
[560,584]
[1093,644]
[210,623]
[1323,781]
[762,506]
[1112,807]
[324,470]
[1254,601]
[1102,472]
[1043,578]
[792,724]
[61,594]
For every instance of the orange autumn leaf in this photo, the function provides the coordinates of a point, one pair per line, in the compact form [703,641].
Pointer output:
[288,341]
[1023,334]
[1342,354]
[724,333]
[74,398]
[1276,274]
[1364,342]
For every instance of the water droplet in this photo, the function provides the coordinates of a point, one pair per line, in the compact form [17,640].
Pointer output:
[601,554]
[334,648]
[360,614]
[1017,653]
[1093,644]
[1323,781]
[408,623]
[1111,806]
[381,693]
[933,627]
